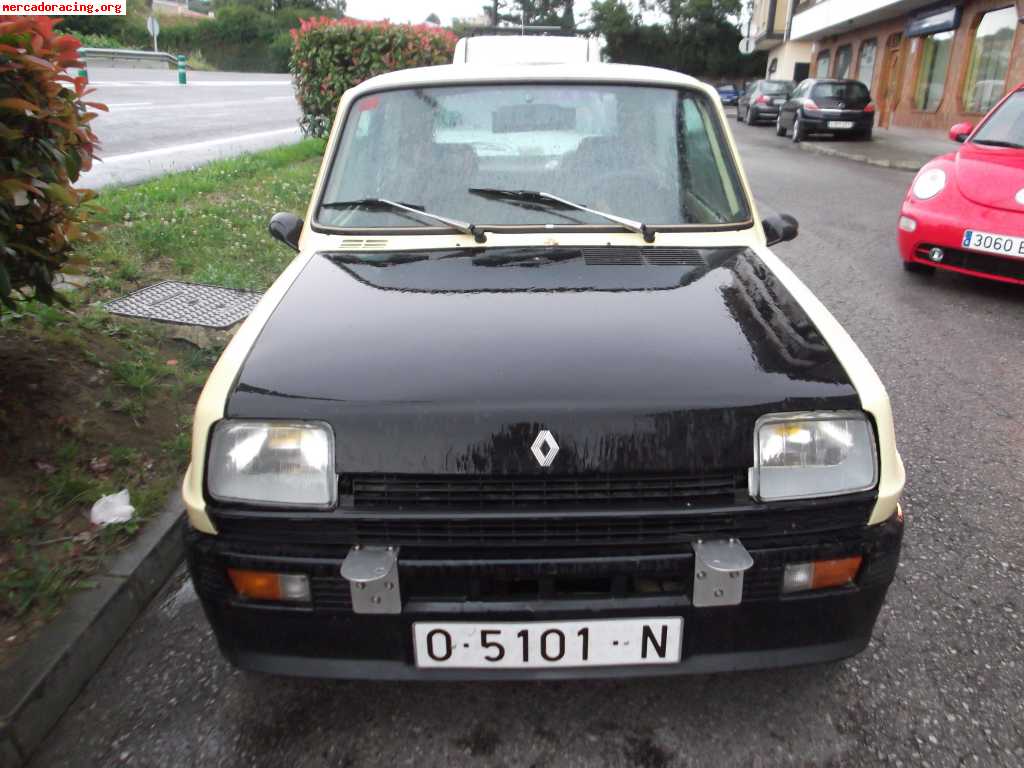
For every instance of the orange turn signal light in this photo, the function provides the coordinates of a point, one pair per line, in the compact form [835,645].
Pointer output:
[267,585]
[835,573]
[256,585]
[821,574]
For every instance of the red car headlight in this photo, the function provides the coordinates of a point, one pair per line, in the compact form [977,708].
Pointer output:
[929,183]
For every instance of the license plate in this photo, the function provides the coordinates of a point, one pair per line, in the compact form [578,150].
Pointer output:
[840,124]
[777,102]
[1004,245]
[540,645]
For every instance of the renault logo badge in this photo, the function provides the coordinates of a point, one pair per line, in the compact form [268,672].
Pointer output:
[544,448]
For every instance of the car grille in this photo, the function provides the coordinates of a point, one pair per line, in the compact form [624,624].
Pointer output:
[401,492]
[976,262]
[516,535]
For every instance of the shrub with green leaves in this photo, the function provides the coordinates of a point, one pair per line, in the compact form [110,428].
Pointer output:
[45,143]
[332,55]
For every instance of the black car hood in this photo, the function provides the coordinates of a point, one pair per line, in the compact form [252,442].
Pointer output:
[635,359]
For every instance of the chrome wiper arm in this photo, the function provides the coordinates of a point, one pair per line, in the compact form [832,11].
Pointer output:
[527,195]
[380,202]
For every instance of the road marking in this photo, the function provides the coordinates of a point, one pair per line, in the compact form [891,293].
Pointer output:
[181,148]
[141,106]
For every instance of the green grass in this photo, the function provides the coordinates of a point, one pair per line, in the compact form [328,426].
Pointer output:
[207,226]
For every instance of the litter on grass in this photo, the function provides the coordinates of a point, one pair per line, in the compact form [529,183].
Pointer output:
[115,508]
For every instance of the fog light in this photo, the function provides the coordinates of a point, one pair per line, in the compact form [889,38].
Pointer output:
[936,255]
[797,577]
[821,574]
[908,224]
[266,585]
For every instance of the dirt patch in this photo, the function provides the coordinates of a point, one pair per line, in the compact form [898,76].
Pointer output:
[75,425]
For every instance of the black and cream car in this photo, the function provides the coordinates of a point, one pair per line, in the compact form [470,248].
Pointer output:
[536,400]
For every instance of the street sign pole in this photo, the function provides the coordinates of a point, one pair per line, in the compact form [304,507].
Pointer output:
[154,29]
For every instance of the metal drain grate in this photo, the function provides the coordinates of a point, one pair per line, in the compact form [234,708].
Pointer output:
[187,304]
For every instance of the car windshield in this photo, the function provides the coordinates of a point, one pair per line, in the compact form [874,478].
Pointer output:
[1006,125]
[845,91]
[773,89]
[727,89]
[656,155]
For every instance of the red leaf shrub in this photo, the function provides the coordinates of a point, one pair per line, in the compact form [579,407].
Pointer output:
[329,56]
[45,143]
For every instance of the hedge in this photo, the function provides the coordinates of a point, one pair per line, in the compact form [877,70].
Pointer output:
[332,55]
[45,143]
[239,39]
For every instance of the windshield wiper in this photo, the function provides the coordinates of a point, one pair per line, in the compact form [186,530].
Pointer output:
[529,196]
[998,143]
[372,203]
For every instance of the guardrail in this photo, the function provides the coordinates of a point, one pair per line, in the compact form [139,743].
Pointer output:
[116,55]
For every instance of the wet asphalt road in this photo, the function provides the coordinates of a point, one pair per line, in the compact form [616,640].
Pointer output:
[155,126]
[940,685]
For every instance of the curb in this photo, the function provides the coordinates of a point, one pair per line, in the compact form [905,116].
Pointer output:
[47,677]
[900,165]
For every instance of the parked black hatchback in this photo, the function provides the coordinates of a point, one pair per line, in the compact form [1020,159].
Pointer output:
[840,107]
[762,101]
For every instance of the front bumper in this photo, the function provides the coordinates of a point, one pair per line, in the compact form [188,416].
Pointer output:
[941,223]
[327,639]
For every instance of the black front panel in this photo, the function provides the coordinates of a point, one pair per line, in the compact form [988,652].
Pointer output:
[594,559]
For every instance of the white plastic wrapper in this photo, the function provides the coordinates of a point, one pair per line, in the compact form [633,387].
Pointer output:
[115,508]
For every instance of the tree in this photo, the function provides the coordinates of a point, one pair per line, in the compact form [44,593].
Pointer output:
[682,12]
[533,13]
[612,18]
[433,19]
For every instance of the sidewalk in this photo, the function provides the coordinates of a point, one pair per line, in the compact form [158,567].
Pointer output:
[904,148]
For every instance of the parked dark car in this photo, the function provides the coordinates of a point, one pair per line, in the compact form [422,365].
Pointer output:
[762,101]
[728,94]
[839,107]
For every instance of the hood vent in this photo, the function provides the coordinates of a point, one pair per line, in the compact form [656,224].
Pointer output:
[363,244]
[635,257]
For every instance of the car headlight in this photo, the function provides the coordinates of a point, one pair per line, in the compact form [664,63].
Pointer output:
[929,183]
[272,463]
[804,455]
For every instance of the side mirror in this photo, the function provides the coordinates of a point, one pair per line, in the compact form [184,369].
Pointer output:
[780,229]
[286,227]
[960,132]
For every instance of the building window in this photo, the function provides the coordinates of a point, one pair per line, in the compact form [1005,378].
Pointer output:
[931,72]
[866,62]
[821,68]
[773,66]
[990,60]
[844,58]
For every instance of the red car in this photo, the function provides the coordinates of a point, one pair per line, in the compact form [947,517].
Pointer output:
[965,210]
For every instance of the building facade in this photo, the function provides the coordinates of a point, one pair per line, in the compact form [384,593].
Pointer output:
[769,26]
[928,64]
